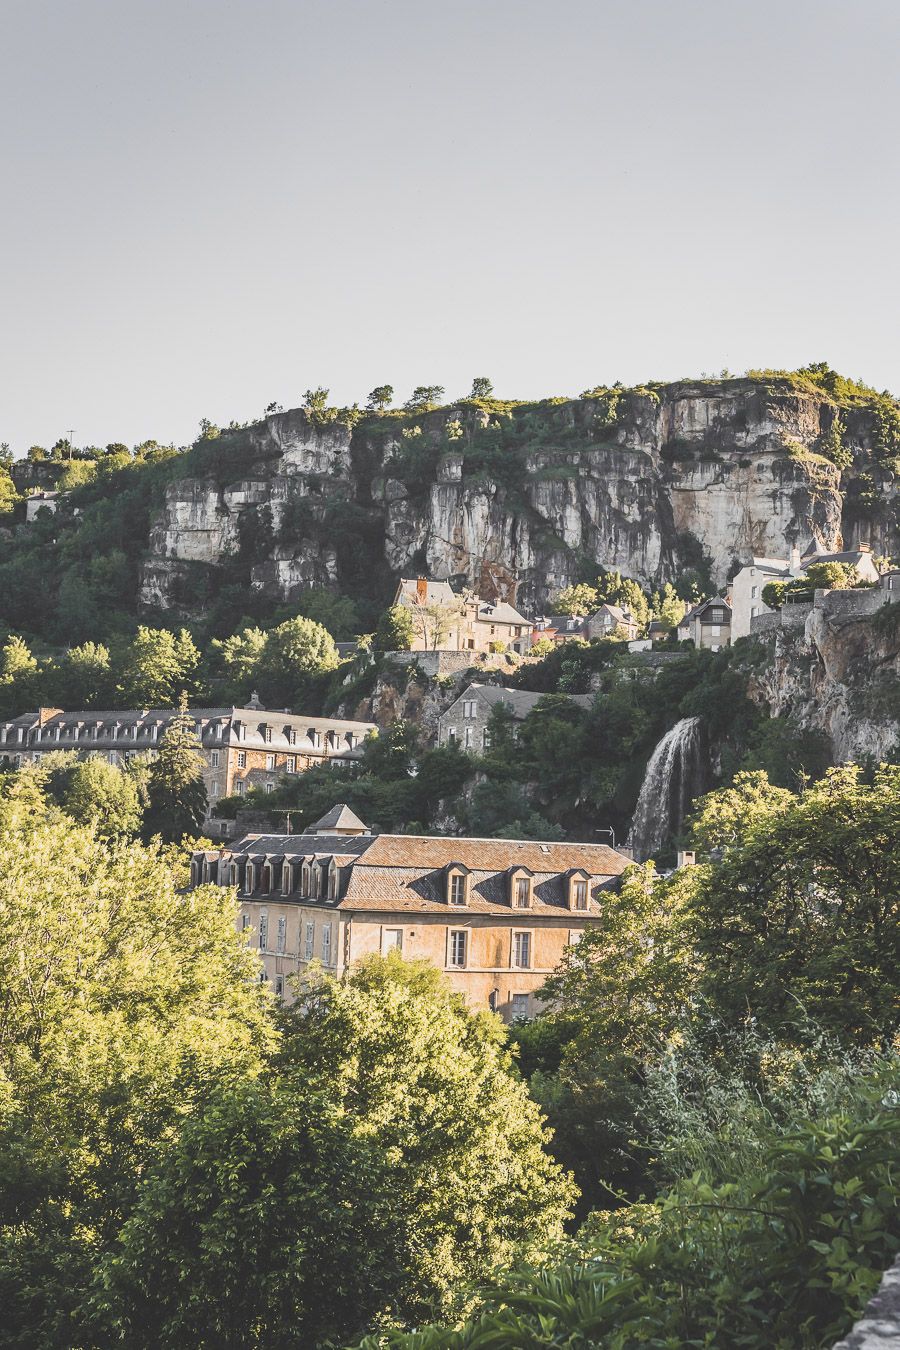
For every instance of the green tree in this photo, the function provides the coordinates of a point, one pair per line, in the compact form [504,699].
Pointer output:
[176,790]
[395,630]
[155,665]
[381,397]
[123,1005]
[18,677]
[424,397]
[9,496]
[396,1155]
[667,606]
[315,401]
[82,678]
[481,388]
[101,794]
[796,908]
[580,599]
[37,454]
[831,576]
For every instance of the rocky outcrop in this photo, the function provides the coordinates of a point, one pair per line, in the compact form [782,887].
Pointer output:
[529,499]
[839,674]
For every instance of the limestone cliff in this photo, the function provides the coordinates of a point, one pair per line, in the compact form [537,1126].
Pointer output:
[527,497]
[838,673]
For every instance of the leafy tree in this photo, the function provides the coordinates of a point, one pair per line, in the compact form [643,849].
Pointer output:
[615,589]
[667,606]
[37,454]
[18,677]
[299,647]
[9,497]
[315,401]
[424,397]
[481,388]
[832,576]
[177,792]
[82,678]
[773,594]
[101,794]
[122,1006]
[155,665]
[576,600]
[395,630]
[796,911]
[381,397]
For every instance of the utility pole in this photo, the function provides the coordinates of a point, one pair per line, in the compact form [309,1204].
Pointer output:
[69,434]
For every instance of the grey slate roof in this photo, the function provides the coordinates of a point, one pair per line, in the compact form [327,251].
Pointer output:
[340,817]
[519,701]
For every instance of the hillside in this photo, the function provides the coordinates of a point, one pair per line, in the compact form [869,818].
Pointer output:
[658,481]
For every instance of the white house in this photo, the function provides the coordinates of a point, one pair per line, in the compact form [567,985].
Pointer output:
[747,584]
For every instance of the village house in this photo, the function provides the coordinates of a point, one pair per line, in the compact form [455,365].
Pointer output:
[466,722]
[41,500]
[607,621]
[446,621]
[612,621]
[707,624]
[558,628]
[242,748]
[495,915]
[749,582]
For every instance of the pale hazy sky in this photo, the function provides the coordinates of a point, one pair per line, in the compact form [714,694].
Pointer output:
[211,204]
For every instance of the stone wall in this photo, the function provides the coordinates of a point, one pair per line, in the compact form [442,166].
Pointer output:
[879,1327]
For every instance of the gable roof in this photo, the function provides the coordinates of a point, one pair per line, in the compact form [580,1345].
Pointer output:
[340,817]
[436,592]
[501,612]
[519,701]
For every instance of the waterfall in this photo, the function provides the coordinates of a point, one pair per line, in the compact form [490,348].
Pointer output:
[676,773]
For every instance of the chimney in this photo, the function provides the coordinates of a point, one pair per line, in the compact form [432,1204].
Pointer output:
[685,858]
[795,559]
[422,590]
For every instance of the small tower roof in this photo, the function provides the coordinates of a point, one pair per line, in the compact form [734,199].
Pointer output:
[339,820]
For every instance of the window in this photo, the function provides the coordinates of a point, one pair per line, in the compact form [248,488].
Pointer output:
[391,940]
[332,884]
[467,738]
[292,736]
[579,894]
[214,759]
[523,892]
[279,986]
[326,943]
[270,787]
[522,950]
[270,763]
[309,939]
[267,734]
[290,764]
[316,738]
[457,954]
[245,922]
[304,882]
[214,789]
[451,735]
[519,1005]
[240,787]
[754,592]
[458,887]
[521,888]
[486,739]
[112,757]
[282,935]
[470,706]
[242,731]
[716,629]
[263,930]
[242,759]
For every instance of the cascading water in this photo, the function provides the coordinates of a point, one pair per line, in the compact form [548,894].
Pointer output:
[676,773]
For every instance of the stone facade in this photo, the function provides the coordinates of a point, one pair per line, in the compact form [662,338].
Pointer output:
[494,915]
[707,625]
[443,620]
[242,748]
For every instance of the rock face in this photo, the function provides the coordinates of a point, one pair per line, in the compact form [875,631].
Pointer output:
[839,675]
[697,475]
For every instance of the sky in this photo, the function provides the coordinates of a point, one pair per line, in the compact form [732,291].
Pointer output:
[210,205]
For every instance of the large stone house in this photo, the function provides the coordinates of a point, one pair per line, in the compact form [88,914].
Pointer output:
[242,747]
[466,722]
[707,624]
[495,915]
[749,582]
[445,621]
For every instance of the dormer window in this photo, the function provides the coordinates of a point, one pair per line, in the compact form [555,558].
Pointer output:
[291,735]
[521,888]
[579,890]
[458,878]
[267,734]
[332,882]
[304,884]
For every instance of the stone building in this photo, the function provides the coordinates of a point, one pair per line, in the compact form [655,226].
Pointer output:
[749,582]
[443,620]
[467,721]
[707,624]
[242,747]
[495,915]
